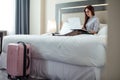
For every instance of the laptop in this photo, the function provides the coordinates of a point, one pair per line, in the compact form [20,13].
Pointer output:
[74,23]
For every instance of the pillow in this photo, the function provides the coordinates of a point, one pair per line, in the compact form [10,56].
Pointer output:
[103,29]
[65,28]
[103,25]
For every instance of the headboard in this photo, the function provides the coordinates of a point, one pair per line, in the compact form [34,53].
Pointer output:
[76,7]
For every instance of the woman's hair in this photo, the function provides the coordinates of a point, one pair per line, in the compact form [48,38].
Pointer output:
[91,8]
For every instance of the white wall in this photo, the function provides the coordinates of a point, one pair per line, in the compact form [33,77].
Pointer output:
[42,19]
[112,68]
[50,8]
[35,16]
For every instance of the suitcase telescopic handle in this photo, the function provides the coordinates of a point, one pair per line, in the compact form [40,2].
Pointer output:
[24,61]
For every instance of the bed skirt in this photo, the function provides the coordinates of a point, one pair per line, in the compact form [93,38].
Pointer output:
[61,71]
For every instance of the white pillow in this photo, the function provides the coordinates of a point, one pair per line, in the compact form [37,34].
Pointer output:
[103,25]
[103,29]
[65,28]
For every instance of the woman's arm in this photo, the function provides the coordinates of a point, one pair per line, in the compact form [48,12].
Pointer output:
[95,27]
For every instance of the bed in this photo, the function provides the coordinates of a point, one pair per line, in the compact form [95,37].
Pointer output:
[57,57]
[80,57]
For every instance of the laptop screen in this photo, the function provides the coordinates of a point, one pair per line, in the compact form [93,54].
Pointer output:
[74,23]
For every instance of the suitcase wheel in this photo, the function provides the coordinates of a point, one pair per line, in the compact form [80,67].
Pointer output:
[15,78]
[9,77]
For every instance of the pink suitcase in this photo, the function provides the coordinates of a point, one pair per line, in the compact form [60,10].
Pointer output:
[18,60]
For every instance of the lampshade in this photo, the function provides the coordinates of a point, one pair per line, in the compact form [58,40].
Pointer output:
[51,26]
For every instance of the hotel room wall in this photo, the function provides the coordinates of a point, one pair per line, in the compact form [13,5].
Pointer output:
[42,18]
[37,17]
[112,69]
[50,9]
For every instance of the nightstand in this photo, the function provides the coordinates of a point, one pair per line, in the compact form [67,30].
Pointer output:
[2,33]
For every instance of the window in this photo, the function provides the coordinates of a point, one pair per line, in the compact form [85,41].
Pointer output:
[7,16]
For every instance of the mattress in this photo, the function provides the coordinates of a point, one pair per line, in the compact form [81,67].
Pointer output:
[44,69]
[86,50]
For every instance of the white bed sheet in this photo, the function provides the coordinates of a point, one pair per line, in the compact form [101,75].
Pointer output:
[86,50]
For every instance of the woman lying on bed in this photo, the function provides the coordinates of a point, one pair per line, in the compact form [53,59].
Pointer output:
[91,24]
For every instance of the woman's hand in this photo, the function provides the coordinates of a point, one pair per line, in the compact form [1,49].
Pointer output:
[83,28]
[93,32]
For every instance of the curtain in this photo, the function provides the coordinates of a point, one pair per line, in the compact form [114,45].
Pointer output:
[22,16]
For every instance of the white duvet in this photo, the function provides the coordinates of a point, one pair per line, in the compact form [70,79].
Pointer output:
[87,50]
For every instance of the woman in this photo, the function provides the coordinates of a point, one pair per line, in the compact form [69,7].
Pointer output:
[91,23]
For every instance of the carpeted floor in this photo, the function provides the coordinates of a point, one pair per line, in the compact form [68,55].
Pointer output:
[3,76]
